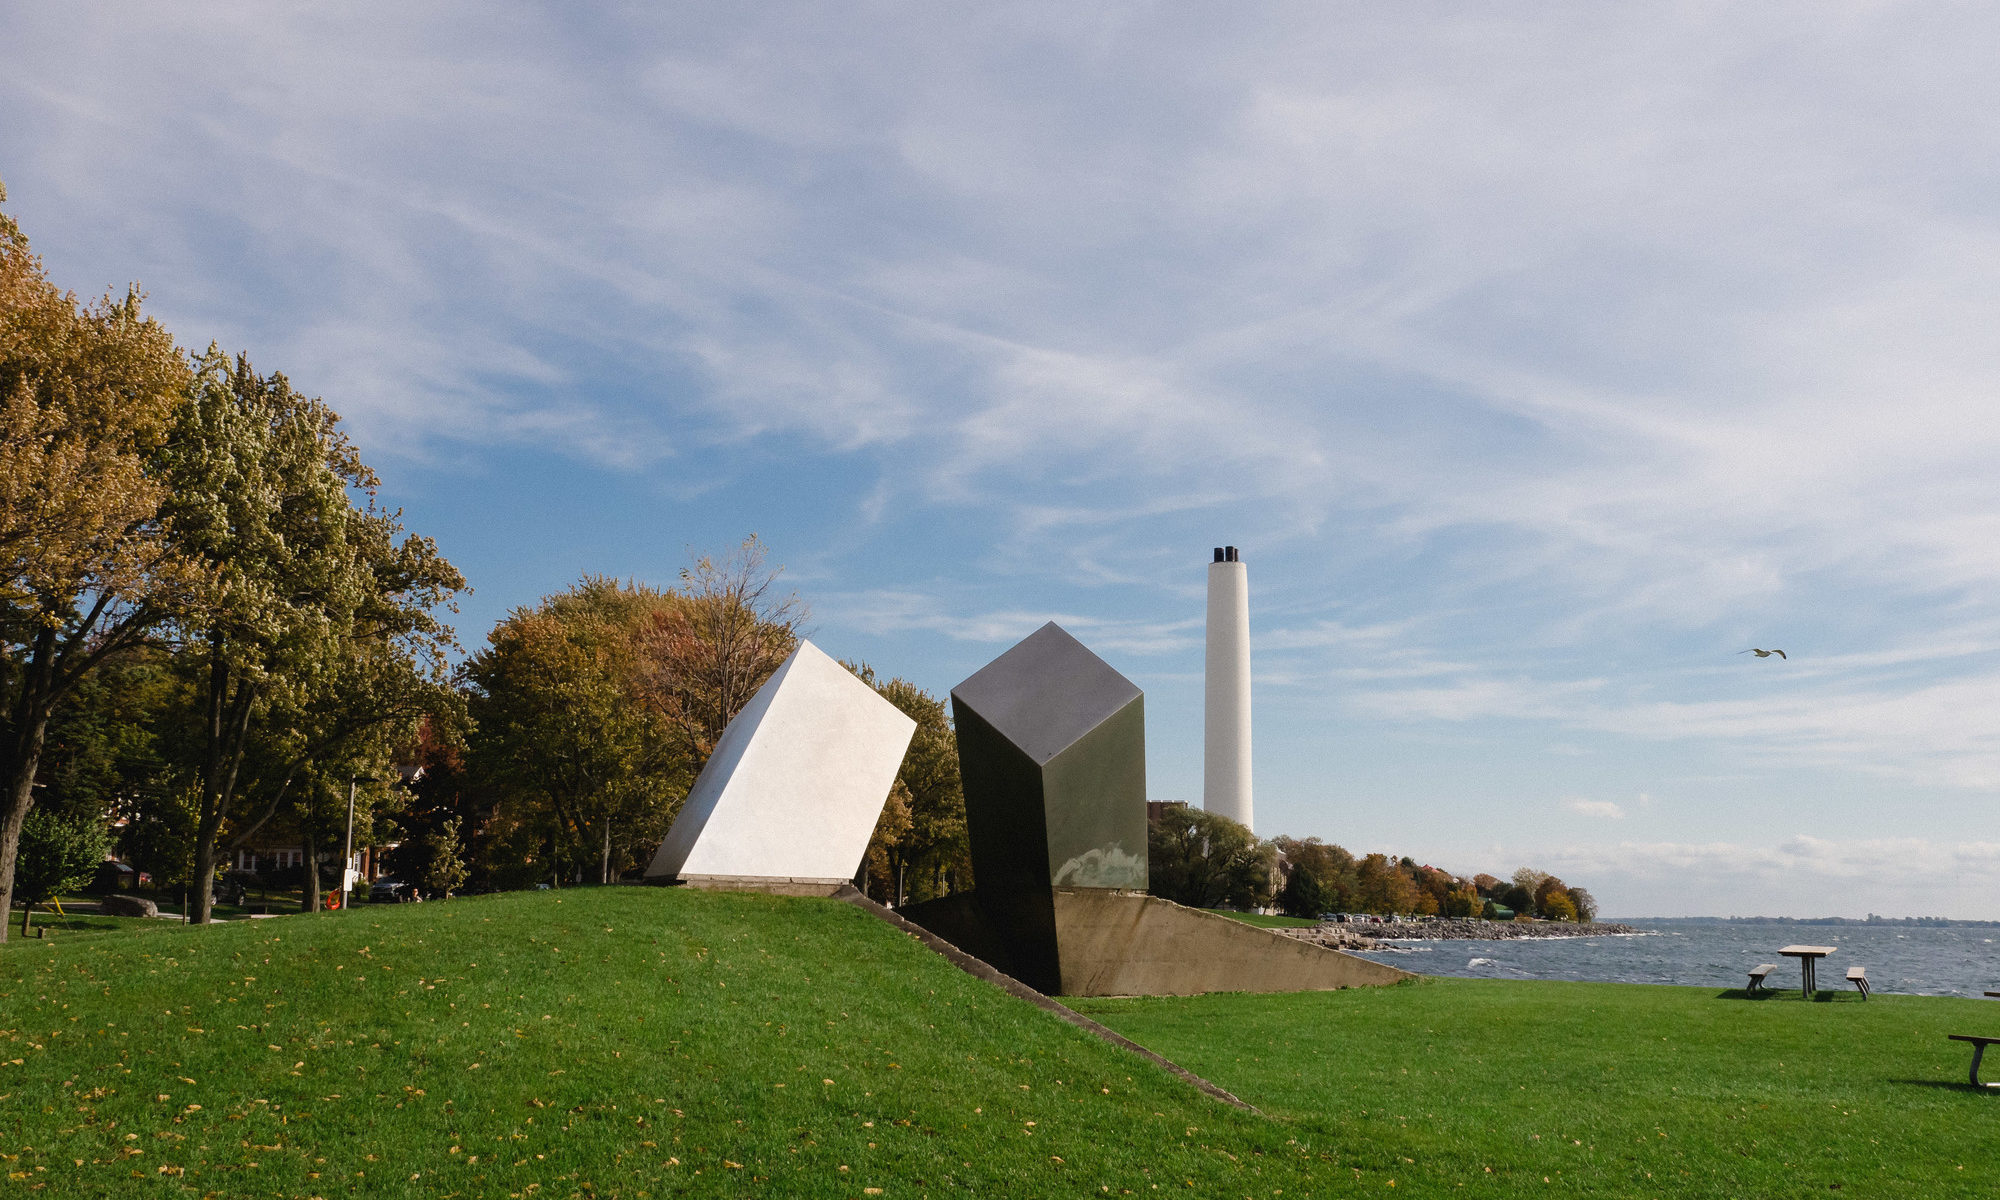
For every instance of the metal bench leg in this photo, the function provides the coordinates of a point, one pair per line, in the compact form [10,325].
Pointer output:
[1978,1052]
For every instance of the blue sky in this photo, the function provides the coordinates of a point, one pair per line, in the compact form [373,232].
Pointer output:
[1538,362]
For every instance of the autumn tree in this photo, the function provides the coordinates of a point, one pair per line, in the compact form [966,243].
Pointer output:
[1464,901]
[1546,892]
[705,655]
[88,393]
[1384,887]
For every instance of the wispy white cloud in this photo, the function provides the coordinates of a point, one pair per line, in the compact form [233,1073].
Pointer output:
[1595,808]
[1796,876]
[886,612]
[1534,356]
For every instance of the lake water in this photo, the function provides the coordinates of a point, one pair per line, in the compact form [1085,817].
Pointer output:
[1920,960]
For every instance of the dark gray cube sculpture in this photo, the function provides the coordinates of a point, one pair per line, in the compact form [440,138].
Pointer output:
[1052,751]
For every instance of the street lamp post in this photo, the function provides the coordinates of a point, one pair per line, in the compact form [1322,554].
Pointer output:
[347,843]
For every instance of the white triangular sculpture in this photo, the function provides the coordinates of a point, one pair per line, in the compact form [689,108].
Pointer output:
[796,783]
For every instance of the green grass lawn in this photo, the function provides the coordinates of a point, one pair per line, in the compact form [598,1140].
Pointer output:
[1481,1087]
[603,1042]
[1267,922]
[627,1042]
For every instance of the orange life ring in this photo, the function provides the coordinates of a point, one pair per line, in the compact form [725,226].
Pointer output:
[332,901]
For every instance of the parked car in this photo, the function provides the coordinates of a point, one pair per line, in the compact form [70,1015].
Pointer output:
[234,887]
[388,891]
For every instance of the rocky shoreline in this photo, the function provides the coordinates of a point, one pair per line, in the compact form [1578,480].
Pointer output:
[1336,936]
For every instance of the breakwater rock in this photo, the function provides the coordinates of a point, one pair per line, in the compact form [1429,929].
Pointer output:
[1338,936]
[1335,937]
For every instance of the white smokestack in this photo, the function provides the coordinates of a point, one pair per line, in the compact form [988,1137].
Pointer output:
[1225,787]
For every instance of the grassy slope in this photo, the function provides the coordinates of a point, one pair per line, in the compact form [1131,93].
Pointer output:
[1490,1088]
[607,1042]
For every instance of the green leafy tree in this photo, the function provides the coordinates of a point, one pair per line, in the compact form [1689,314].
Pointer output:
[304,576]
[919,846]
[1303,894]
[87,396]
[1203,860]
[447,870]
[565,738]
[1331,866]
[58,854]
[1584,903]
[159,837]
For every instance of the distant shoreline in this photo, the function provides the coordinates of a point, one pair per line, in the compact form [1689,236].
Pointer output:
[1869,922]
[1344,936]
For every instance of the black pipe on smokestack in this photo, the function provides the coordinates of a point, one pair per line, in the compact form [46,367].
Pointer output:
[1218,555]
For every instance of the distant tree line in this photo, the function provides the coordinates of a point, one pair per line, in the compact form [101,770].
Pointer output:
[1208,861]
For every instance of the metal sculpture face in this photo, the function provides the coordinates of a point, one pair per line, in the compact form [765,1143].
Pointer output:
[1052,748]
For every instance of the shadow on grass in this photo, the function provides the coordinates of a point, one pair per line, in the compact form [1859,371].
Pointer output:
[73,923]
[1761,995]
[1947,1085]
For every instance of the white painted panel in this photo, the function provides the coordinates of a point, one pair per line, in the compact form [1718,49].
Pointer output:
[797,781]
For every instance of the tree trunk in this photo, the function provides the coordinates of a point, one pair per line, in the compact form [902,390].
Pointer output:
[28,724]
[312,866]
[228,731]
[20,798]
[604,872]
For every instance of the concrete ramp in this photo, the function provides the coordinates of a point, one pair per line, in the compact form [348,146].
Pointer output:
[1132,944]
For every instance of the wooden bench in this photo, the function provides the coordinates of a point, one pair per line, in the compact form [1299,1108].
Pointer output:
[1994,994]
[1858,976]
[1757,974]
[1979,1045]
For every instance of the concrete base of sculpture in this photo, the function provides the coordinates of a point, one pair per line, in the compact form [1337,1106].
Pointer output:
[775,885]
[796,783]
[1132,944]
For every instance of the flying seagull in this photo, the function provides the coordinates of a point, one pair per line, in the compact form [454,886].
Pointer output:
[1763,653]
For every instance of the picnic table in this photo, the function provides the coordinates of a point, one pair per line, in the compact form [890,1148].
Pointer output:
[1808,957]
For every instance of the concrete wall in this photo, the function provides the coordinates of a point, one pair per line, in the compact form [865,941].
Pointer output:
[1131,944]
[1128,944]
